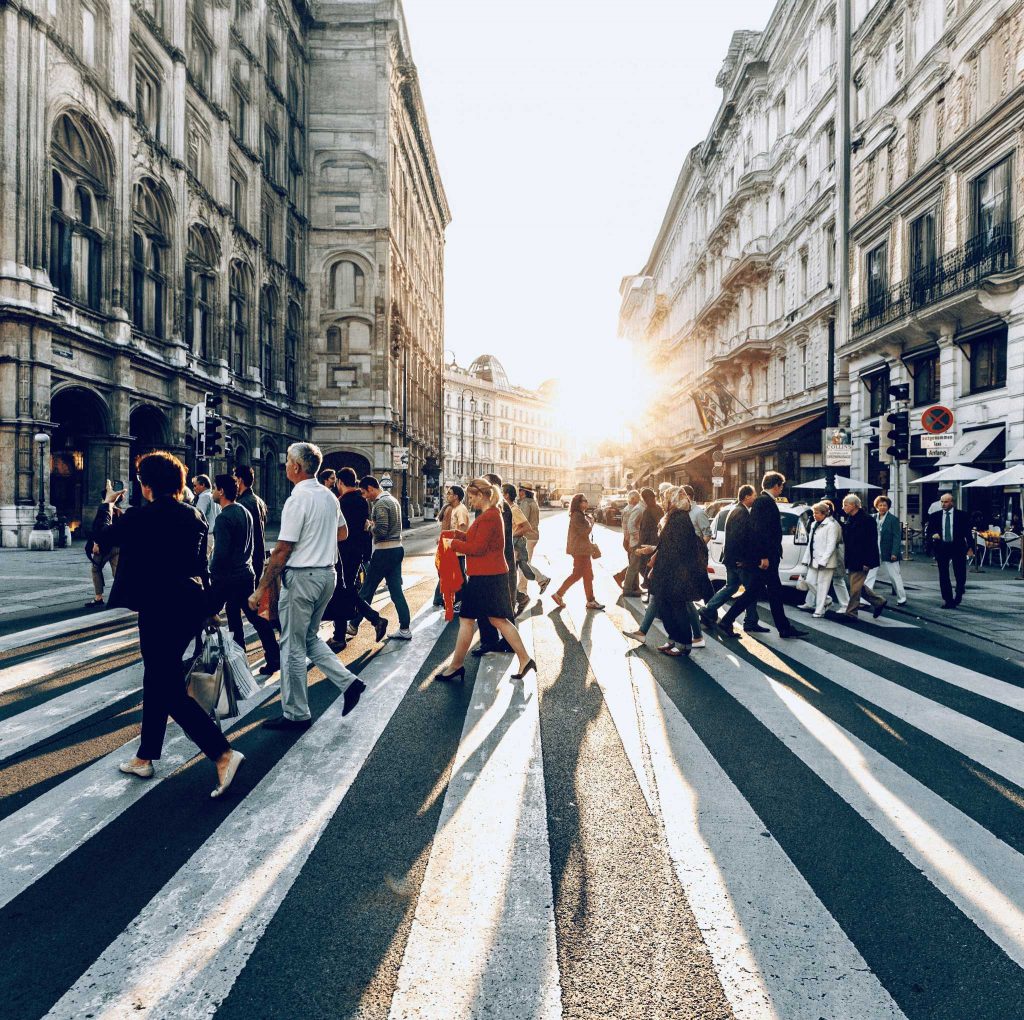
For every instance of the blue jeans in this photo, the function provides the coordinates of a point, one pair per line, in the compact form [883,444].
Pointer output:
[386,565]
[732,585]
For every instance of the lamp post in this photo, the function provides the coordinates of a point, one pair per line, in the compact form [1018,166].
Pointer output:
[472,432]
[42,521]
[513,479]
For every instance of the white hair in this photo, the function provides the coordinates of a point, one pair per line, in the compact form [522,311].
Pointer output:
[307,456]
[852,499]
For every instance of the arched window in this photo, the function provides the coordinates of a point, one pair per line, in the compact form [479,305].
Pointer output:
[268,301]
[78,190]
[291,349]
[239,308]
[200,289]
[151,219]
[347,285]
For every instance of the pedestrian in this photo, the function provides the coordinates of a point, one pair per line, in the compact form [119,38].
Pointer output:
[890,548]
[530,507]
[385,526]
[579,546]
[520,526]
[97,558]
[347,604]
[950,539]
[232,579]
[698,516]
[647,537]
[760,573]
[839,585]
[162,575]
[304,557]
[486,594]
[821,557]
[630,532]
[735,552]
[328,479]
[248,498]
[455,517]
[490,639]
[206,506]
[861,541]
[679,577]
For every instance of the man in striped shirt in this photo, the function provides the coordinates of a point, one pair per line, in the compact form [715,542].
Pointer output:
[385,525]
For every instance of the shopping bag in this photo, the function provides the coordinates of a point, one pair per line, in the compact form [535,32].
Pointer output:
[207,684]
[239,675]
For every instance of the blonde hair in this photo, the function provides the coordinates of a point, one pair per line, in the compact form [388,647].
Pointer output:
[485,488]
[824,508]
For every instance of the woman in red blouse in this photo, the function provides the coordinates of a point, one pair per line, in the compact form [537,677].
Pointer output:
[486,591]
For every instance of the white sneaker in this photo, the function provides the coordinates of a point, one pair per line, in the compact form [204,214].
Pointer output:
[142,771]
[698,643]
[403,634]
[805,608]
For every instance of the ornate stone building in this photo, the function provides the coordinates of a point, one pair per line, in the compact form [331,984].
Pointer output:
[379,213]
[732,308]
[492,426]
[179,183]
[936,250]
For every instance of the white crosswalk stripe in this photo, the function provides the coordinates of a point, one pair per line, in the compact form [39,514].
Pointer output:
[483,931]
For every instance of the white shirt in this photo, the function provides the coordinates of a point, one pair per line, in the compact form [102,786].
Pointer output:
[309,521]
[206,506]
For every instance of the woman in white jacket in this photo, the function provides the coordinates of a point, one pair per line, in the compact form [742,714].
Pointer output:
[821,557]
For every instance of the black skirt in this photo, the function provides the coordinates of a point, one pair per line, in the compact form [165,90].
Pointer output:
[486,596]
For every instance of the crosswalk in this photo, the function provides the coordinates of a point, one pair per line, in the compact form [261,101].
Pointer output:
[833,828]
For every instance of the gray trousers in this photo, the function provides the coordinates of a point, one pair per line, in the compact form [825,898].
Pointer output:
[539,575]
[305,593]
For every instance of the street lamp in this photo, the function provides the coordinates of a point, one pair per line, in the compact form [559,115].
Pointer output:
[472,432]
[42,520]
[513,479]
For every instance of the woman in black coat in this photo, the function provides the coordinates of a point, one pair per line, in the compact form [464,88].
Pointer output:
[162,575]
[680,577]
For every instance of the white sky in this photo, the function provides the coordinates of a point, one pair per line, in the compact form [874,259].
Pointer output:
[560,127]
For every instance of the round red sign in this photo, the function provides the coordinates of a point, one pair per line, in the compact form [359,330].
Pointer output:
[937,419]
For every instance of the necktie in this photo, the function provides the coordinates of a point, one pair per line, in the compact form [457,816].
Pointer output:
[948,526]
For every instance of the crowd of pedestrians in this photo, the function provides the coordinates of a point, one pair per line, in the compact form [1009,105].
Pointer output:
[184,556]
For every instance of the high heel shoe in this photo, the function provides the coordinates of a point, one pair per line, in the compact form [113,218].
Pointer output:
[455,674]
[526,669]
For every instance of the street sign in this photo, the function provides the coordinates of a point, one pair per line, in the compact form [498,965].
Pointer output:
[717,480]
[936,446]
[837,447]
[197,417]
[937,419]
[386,482]
[399,457]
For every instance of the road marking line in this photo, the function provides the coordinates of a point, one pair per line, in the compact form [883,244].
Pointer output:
[52,664]
[182,953]
[63,628]
[776,949]
[482,941]
[971,680]
[978,872]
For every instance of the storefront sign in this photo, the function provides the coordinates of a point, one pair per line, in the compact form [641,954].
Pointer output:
[837,447]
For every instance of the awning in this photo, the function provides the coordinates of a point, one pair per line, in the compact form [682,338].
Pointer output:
[970,446]
[689,458]
[772,436]
[1016,454]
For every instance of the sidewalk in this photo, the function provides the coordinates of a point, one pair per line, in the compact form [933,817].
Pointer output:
[991,608]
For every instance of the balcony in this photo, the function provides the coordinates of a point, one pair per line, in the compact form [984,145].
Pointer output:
[750,344]
[753,258]
[955,273]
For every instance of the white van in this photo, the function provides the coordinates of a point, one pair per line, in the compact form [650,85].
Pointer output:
[796,522]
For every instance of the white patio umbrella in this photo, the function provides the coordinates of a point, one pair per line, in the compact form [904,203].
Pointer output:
[842,482]
[1008,476]
[953,473]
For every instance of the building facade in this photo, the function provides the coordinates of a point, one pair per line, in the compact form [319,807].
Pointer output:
[164,175]
[492,426]
[733,307]
[936,250]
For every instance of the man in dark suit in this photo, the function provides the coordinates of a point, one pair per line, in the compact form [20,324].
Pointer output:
[346,607]
[733,555]
[949,535]
[760,573]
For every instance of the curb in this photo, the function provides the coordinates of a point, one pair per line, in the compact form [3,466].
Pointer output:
[903,611]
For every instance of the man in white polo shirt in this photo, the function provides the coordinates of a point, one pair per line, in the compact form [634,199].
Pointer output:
[312,525]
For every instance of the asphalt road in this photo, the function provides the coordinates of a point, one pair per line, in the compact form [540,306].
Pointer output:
[829,827]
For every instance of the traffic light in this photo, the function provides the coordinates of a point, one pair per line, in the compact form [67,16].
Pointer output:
[896,435]
[899,392]
[213,429]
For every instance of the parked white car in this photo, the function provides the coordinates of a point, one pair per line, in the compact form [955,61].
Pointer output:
[796,522]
